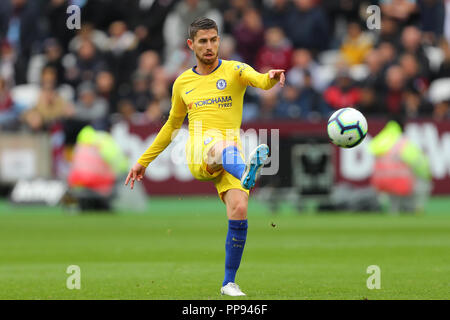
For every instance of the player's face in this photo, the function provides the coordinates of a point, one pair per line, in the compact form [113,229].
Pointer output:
[205,46]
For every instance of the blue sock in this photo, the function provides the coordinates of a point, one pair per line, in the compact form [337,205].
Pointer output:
[232,161]
[234,247]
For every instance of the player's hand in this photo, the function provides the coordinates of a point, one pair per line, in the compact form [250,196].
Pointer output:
[278,74]
[136,173]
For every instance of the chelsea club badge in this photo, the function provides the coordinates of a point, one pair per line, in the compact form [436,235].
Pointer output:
[221,84]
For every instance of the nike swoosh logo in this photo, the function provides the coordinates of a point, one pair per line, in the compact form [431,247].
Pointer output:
[234,239]
[189,91]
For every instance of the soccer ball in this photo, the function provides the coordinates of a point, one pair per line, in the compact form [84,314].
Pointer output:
[347,127]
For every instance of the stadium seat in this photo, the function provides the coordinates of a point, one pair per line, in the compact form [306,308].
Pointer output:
[439,90]
[359,72]
[326,74]
[329,57]
[435,56]
[25,95]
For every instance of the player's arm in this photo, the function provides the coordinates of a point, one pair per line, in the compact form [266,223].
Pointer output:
[162,140]
[250,77]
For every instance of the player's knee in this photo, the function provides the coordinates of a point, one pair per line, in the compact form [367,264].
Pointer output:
[215,153]
[227,144]
[239,211]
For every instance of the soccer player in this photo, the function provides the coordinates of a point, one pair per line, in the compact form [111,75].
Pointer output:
[211,94]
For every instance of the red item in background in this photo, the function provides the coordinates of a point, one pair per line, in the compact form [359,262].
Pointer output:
[392,176]
[5,103]
[90,171]
[394,100]
[57,143]
[338,98]
[248,42]
[273,58]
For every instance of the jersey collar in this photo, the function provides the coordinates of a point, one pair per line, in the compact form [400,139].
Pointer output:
[193,69]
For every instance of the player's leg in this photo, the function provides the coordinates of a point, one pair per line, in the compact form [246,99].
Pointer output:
[236,202]
[226,154]
[216,156]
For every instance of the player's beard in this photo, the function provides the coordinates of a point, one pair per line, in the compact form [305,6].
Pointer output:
[208,61]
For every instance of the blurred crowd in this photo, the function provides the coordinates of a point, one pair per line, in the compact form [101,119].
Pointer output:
[120,65]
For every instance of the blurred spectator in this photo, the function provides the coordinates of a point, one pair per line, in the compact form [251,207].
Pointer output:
[126,109]
[227,49]
[153,113]
[9,111]
[277,13]
[308,26]
[56,13]
[161,95]
[441,111]
[18,28]
[120,38]
[288,105]
[387,52]
[432,14]
[389,30]
[342,92]
[414,105]
[356,44]
[147,66]
[339,12]
[447,20]
[369,102]
[6,101]
[121,54]
[140,94]
[347,9]
[268,104]
[403,11]
[148,61]
[411,43]
[249,35]
[160,75]
[444,68]
[374,78]
[303,62]
[233,12]
[301,103]
[89,107]
[414,76]
[102,13]
[178,61]
[89,33]
[50,107]
[52,57]
[7,60]
[276,53]
[105,86]
[148,18]
[394,94]
[84,65]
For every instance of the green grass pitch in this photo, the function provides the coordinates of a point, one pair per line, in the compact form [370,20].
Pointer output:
[176,251]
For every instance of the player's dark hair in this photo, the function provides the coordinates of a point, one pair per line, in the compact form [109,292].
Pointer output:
[201,24]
